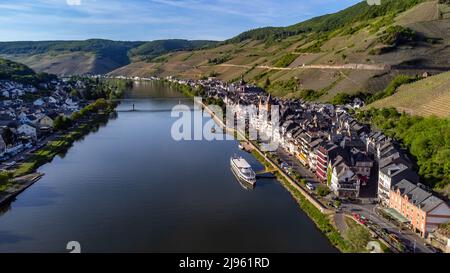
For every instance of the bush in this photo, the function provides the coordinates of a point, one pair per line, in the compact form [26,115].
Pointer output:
[342,98]
[62,123]
[286,60]
[5,177]
[220,60]
[284,87]
[323,190]
[310,94]
[396,35]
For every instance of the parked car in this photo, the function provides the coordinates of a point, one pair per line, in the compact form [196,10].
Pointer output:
[10,164]
[310,186]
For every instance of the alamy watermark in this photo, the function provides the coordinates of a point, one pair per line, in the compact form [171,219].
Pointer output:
[244,122]
[73,247]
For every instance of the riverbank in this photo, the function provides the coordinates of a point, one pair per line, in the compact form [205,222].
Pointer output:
[91,117]
[17,186]
[88,122]
[315,211]
[318,213]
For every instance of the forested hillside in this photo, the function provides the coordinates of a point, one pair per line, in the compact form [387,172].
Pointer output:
[21,73]
[427,140]
[94,56]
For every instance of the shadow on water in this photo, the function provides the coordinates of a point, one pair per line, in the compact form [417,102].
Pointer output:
[263,182]
[7,237]
[6,207]
[41,196]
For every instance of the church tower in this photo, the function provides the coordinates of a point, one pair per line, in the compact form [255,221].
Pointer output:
[268,103]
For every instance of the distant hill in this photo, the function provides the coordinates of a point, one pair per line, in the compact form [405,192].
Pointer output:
[95,56]
[359,49]
[153,49]
[430,96]
[359,13]
[10,70]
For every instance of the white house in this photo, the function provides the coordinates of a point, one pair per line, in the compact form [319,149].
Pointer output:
[52,100]
[71,105]
[23,117]
[39,102]
[389,176]
[27,130]
[344,182]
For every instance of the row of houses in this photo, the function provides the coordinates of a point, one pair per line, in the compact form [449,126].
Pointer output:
[24,120]
[344,154]
[13,90]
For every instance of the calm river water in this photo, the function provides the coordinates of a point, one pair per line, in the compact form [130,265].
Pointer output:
[129,187]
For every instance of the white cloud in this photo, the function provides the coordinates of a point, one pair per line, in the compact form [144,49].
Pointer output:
[73,2]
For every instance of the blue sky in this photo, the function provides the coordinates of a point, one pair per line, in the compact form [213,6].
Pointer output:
[144,20]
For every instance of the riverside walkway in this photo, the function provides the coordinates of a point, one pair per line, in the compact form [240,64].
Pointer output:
[274,166]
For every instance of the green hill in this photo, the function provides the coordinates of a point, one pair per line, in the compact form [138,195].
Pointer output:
[359,13]
[359,49]
[151,50]
[94,56]
[10,70]
[430,96]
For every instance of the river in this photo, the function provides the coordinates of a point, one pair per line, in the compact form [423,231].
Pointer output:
[129,187]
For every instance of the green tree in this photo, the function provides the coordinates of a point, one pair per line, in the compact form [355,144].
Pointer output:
[62,122]
[5,177]
[76,116]
[323,190]
[74,93]
[267,83]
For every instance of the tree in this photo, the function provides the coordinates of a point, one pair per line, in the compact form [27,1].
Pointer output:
[323,190]
[74,93]
[5,177]
[62,122]
[8,136]
[76,116]
[267,83]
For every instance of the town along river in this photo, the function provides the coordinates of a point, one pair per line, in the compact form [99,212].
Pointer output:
[129,187]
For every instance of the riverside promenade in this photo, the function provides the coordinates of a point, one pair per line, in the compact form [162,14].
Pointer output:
[275,166]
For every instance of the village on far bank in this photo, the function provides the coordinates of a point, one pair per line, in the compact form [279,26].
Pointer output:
[30,113]
[26,116]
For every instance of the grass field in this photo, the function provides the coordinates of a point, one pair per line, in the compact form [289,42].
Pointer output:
[430,96]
